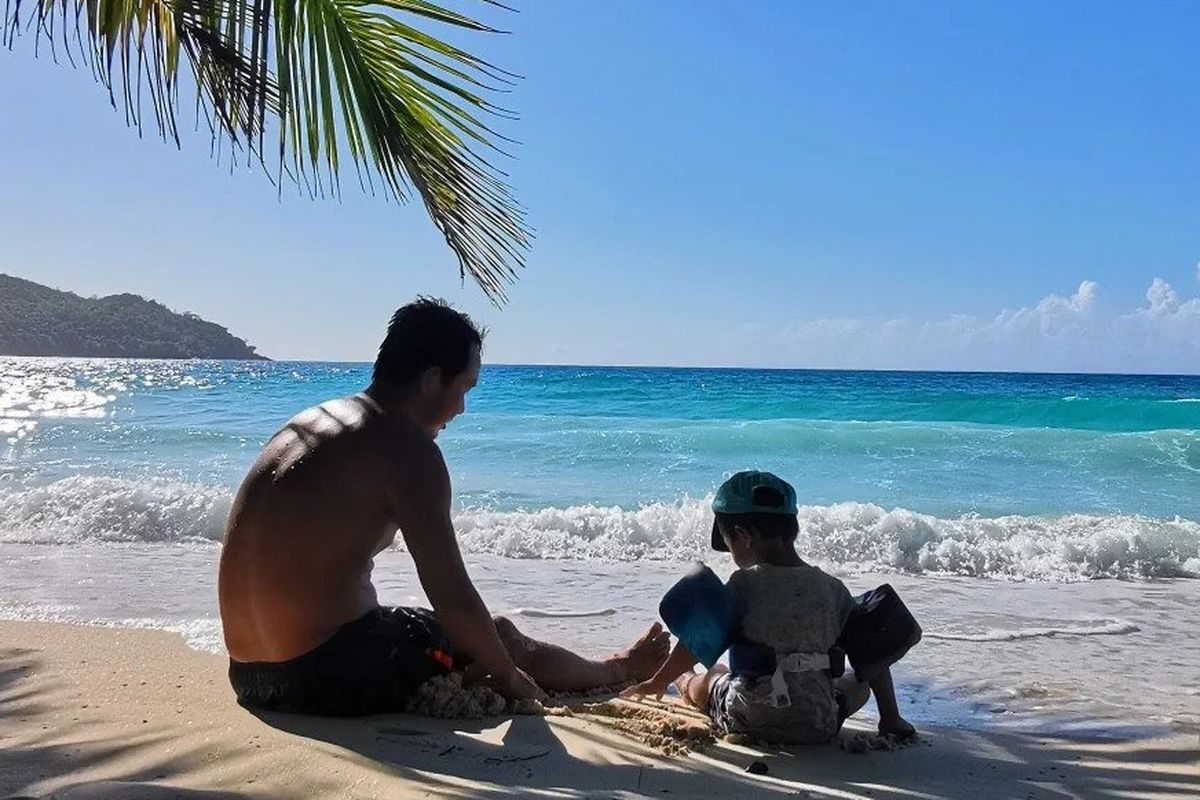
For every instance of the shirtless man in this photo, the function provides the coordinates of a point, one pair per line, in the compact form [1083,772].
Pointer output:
[304,630]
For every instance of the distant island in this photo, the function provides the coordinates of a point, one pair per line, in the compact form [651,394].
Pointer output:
[36,320]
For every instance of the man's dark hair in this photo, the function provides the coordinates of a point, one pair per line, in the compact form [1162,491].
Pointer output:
[425,333]
[769,526]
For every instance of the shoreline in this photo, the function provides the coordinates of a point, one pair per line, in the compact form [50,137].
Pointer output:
[90,712]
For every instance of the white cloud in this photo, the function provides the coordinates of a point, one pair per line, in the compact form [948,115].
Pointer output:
[1079,303]
[1162,299]
[1058,333]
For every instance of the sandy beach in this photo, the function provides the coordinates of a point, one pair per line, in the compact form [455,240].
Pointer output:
[93,712]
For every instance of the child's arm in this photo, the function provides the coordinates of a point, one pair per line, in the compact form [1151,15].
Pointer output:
[680,661]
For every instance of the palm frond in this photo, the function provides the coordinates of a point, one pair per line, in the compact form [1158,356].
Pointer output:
[342,80]
[134,49]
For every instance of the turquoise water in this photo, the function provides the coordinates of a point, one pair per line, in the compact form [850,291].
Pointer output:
[1017,475]
[977,496]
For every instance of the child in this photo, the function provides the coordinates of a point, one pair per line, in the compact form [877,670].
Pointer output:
[789,609]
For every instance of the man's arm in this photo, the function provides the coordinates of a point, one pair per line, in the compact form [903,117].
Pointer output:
[422,508]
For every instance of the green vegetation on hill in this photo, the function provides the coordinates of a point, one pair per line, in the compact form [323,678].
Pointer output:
[36,320]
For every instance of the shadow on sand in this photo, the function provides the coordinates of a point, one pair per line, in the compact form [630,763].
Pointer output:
[586,757]
[44,738]
[29,761]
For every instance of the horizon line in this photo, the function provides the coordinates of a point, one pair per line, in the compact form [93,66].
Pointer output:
[714,367]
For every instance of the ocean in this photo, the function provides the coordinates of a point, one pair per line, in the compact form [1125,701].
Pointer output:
[1042,517]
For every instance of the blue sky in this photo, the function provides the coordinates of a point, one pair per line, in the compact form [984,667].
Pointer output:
[860,184]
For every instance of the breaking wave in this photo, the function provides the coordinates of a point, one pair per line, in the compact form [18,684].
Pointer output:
[849,537]
[106,509]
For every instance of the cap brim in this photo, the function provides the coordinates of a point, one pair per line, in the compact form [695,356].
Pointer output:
[718,541]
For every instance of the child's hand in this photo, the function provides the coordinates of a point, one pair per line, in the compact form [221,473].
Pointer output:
[655,686]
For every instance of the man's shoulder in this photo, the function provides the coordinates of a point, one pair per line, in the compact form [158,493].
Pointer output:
[355,433]
[418,470]
[359,416]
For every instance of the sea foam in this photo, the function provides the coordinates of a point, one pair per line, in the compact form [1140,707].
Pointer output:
[1096,628]
[108,509]
[847,537]
[202,633]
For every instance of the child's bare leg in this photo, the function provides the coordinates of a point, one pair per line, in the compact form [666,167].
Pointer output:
[854,694]
[556,669]
[694,687]
[890,721]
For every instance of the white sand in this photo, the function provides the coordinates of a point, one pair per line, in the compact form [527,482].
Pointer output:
[118,713]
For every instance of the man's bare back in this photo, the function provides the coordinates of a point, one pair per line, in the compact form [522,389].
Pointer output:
[311,515]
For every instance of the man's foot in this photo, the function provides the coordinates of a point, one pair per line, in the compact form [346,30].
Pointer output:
[898,728]
[643,659]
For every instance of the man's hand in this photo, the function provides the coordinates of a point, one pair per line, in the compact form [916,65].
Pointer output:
[519,686]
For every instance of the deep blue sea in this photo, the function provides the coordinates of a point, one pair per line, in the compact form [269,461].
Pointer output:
[1005,475]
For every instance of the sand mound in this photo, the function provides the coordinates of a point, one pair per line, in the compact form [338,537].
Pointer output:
[671,733]
[445,697]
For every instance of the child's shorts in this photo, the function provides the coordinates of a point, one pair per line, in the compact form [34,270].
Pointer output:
[725,720]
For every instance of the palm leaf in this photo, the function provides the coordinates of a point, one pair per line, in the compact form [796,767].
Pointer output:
[136,45]
[340,80]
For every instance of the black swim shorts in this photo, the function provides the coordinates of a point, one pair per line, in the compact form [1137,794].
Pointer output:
[372,665]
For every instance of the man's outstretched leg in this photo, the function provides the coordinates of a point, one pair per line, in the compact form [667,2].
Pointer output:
[556,669]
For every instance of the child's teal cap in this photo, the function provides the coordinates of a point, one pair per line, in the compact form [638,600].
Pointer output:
[752,492]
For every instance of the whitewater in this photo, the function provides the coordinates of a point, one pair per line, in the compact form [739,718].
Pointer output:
[1032,520]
